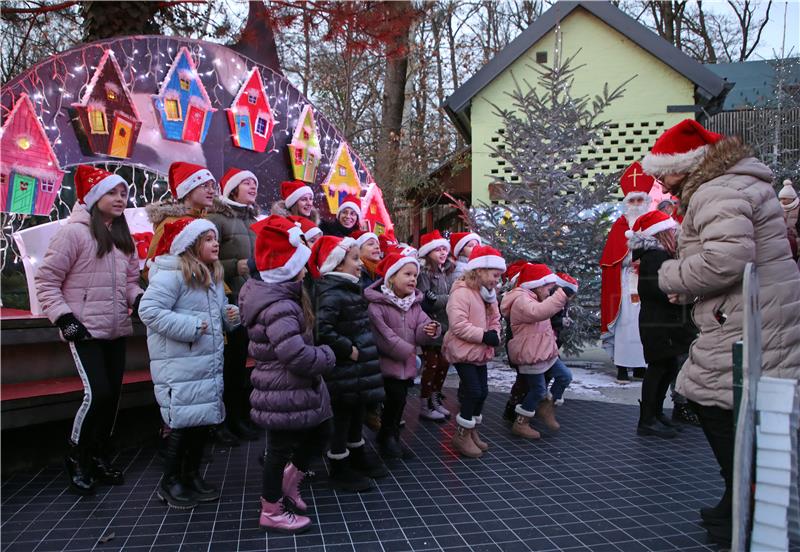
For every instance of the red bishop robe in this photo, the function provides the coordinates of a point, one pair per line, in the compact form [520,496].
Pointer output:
[614,253]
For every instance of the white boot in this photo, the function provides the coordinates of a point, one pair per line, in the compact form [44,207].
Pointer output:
[438,405]
[428,412]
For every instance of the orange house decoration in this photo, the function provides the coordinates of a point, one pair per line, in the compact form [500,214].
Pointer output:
[182,103]
[342,179]
[304,149]
[105,118]
[250,117]
[30,176]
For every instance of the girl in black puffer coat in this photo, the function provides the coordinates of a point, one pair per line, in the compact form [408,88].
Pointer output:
[665,328]
[356,383]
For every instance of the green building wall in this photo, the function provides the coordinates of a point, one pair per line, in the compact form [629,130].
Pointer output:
[637,119]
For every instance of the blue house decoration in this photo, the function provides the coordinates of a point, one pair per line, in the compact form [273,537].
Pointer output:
[182,103]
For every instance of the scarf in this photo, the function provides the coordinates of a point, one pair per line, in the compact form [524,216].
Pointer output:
[792,205]
[344,276]
[403,303]
[370,266]
[488,296]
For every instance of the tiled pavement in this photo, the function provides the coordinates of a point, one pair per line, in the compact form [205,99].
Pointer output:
[594,486]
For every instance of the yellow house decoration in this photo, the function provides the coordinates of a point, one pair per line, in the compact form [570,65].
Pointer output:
[304,150]
[342,179]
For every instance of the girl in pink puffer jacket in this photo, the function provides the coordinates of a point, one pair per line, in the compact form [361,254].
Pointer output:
[85,285]
[399,326]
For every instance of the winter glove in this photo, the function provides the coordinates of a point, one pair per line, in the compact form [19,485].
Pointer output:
[430,295]
[491,338]
[71,328]
[135,307]
[568,292]
[342,353]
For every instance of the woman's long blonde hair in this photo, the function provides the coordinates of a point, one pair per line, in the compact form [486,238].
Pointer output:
[195,272]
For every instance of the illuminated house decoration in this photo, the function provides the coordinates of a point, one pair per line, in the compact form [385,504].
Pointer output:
[342,179]
[105,118]
[30,176]
[376,215]
[183,106]
[250,116]
[304,149]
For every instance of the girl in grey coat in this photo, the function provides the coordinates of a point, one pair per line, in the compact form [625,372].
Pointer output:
[186,311]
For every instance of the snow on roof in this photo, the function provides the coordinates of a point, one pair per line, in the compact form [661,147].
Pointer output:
[184,52]
[246,86]
[108,54]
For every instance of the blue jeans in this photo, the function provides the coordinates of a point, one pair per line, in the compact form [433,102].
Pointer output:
[561,376]
[537,386]
[473,389]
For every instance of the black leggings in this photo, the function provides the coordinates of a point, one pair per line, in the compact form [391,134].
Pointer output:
[236,377]
[656,381]
[295,446]
[717,424]
[348,420]
[100,364]
[394,404]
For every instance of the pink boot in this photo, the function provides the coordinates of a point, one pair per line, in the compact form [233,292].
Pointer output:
[292,477]
[275,517]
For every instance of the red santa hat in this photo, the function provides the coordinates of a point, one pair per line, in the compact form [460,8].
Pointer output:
[635,182]
[512,272]
[92,183]
[233,177]
[362,237]
[566,281]
[651,224]
[680,149]
[180,234]
[430,241]
[387,244]
[352,202]
[328,253]
[535,275]
[484,256]
[392,263]
[309,229]
[458,240]
[293,190]
[280,253]
[185,177]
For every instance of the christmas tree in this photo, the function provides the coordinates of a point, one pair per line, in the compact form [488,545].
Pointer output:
[553,208]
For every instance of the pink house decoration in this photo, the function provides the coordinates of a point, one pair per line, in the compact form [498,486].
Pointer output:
[304,150]
[30,176]
[250,116]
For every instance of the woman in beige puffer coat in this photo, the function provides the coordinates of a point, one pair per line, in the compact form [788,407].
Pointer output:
[732,217]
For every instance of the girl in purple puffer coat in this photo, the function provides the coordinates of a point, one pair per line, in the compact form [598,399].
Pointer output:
[399,325]
[289,396]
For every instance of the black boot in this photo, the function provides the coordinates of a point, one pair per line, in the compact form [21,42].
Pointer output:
[243,431]
[223,437]
[510,414]
[721,534]
[720,514]
[663,420]
[344,478]
[79,471]
[204,491]
[622,375]
[389,446]
[102,468]
[172,489]
[649,426]
[367,463]
[638,373]
[681,413]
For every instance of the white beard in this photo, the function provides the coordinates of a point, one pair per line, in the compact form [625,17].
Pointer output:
[633,212]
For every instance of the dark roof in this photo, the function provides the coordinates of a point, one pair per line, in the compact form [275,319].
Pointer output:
[755,82]
[709,86]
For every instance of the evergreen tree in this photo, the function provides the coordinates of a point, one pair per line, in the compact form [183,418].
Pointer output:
[553,209]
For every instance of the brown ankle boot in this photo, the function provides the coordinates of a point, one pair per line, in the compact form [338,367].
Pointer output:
[480,443]
[522,424]
[462,439]
[546,412]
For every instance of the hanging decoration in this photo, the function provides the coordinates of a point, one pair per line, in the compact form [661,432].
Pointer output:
[250,116]
[342,179]
[30,176]
[375,214]
[182,103]
[105,119]
[304,150]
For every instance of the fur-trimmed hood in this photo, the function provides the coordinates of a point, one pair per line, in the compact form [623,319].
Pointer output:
[279,208]
[724,157]
[157,212]
[231,211]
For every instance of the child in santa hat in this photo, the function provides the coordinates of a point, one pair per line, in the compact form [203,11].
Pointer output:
[474,326]
[369,251]
[297,199]
[194,191]
[356,384]
[85,285]
[311,231]
[529,308]
[186,313]
[348,218]
[461,246]
[290,398]
[435,280]
[233,216]
[399,325]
